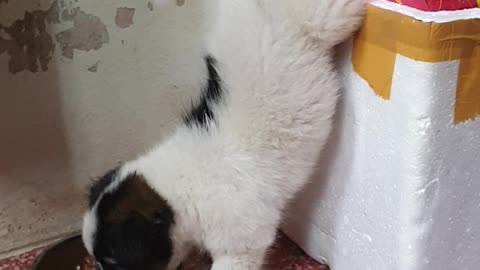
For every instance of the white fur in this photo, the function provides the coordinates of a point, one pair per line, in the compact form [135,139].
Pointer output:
[89,229]
[229,186]
[90,221]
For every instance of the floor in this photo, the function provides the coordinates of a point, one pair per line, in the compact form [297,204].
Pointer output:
[285,255]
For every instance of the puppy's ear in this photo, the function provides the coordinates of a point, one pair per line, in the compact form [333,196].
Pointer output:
[135,223]
[100,184]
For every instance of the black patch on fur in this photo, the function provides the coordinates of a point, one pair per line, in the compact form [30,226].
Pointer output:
[201,113]
[131,231]
[100,185]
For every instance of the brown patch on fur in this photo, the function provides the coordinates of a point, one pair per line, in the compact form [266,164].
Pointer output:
[138,196]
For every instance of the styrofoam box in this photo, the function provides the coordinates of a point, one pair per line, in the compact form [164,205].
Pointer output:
[398,186]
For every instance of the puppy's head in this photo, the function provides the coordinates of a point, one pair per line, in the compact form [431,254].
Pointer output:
[127,225]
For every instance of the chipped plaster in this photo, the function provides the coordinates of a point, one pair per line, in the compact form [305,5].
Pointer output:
[88,33]
[28,42]
[94,68]
[150,6]
[30,45]
[124,17]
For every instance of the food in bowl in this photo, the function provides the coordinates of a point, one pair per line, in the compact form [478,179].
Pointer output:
[87,264]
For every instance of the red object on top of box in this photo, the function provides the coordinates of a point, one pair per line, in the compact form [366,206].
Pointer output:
[437,5]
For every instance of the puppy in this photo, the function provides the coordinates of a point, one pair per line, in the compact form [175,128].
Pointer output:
[247,145]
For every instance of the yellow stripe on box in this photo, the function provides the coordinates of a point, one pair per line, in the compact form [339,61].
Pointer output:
[386,33]
[467,100]
[363,56]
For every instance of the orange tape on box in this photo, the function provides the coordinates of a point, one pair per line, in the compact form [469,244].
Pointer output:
[386,33]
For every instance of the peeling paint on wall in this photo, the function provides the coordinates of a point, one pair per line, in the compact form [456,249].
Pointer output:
[180,3]
[30,45]
[68,15]
[94,68]
[88,33]
[124,17]
[28,42]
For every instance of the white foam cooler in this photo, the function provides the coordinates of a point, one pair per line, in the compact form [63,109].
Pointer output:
[398,186]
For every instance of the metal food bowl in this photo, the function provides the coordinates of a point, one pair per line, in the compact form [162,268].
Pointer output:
[65,255]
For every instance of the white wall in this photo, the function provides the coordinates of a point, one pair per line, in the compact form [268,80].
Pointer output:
[78,117]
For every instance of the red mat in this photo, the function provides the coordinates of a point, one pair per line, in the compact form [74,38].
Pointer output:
[285,255]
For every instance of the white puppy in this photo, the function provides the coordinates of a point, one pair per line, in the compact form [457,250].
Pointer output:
[247,145]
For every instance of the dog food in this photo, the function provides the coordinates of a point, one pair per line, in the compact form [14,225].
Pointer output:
[87,264]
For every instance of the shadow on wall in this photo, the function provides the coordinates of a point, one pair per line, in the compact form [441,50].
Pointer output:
[33,146]
[32,126]
[30,109]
